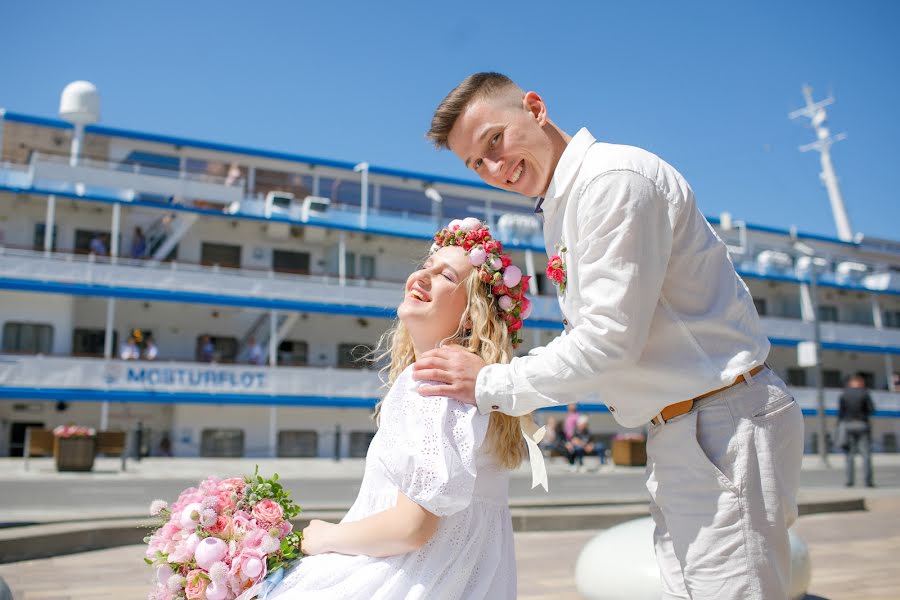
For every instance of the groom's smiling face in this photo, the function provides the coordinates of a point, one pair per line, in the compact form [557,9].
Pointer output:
[502,139]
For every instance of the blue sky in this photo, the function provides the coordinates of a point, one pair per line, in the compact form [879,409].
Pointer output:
[707,86]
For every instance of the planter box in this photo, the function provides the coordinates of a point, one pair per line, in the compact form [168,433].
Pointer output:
[631,453]
[75,453]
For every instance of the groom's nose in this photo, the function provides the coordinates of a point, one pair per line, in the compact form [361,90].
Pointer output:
[493,167]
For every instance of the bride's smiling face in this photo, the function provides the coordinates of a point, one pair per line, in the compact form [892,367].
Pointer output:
[435,296]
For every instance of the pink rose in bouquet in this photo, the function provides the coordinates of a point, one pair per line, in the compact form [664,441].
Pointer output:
[268,511]
[222,538]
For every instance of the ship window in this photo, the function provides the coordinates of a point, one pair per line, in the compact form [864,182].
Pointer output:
[367,267]
[27,338]
[224,349]
[892,318]
[224,255]
[761,308]
[83,239]
[227,443]
[868,378]
[828,313]
[285,261]
[359,443]
[39,233]
[832,378]
[352,356]
[796,377]
[297,444]
[293,353]
[89,342]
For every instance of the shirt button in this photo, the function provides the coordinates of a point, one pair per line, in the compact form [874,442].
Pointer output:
[612,409]
[495,407]
[566,322]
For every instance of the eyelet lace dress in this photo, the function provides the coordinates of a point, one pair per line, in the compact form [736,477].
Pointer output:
[432,450]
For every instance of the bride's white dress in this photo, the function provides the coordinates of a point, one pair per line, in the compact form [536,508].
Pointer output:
[431,449]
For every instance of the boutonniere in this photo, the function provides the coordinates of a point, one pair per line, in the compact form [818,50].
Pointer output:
[556,269]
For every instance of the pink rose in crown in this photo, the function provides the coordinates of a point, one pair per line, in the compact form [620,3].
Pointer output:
[505,302]
[268,511]
[526,308]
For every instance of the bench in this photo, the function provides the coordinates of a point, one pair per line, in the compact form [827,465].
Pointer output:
[113,443]
[38,442]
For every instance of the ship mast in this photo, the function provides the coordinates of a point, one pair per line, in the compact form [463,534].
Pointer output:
[815,112]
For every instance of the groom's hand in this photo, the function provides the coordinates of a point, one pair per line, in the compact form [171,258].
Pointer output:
[454,371]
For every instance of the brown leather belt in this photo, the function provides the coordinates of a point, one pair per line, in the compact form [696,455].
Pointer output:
[680,408]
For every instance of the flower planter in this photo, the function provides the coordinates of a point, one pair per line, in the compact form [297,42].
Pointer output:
[75,453]
[632,453]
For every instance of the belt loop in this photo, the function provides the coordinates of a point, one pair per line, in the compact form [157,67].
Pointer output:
[748,375]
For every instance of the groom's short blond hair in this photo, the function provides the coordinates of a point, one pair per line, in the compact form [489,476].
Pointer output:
[474,87]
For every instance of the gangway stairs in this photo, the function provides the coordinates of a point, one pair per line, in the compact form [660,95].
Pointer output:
[261,331]
[165,233]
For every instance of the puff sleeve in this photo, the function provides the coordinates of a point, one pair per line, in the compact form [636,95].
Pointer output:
[430,450]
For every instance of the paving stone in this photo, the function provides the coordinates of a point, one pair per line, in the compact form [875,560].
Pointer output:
[853,556]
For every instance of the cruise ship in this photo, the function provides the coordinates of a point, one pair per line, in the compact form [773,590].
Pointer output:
[217,299]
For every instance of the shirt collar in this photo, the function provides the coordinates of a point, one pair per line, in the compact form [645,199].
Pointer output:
[568,164]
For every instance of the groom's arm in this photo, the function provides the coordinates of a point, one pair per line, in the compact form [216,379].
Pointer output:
[404,528]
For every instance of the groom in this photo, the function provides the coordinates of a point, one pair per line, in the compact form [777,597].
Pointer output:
[656,321]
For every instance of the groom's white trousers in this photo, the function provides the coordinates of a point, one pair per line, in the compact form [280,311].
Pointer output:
[723,480]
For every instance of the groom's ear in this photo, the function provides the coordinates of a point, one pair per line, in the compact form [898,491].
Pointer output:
[534,105]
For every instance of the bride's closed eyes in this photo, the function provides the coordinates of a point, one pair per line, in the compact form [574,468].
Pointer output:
[448,272]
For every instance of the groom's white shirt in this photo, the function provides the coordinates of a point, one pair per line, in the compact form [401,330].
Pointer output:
[654,310]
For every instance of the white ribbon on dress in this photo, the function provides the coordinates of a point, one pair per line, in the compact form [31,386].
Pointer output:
[533,436]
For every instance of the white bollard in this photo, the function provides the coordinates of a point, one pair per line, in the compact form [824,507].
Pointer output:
[620,564]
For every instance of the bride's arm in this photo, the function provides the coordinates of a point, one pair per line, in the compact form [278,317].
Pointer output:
[404,528]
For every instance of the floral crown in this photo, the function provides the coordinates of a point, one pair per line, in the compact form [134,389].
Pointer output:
[496,270]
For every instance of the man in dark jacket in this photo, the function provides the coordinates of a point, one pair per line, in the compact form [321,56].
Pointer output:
[854,430]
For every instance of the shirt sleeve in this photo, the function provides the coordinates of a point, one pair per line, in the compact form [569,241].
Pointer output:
[431,456]
[624,241]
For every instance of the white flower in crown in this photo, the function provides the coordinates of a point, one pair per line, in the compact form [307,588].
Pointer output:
[468,224]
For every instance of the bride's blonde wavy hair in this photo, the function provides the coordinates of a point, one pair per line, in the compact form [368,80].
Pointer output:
[489,338]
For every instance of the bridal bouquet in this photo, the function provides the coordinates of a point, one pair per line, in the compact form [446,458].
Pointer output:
[220,541]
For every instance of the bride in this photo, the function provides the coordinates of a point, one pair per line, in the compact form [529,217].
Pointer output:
[431,519]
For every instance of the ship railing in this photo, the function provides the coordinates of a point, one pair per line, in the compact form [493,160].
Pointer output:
[136,168]
[141,270]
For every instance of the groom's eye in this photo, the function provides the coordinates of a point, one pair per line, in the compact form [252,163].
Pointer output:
[477,164]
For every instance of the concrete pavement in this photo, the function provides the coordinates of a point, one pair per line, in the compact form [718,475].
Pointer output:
[853,557]
[324,484]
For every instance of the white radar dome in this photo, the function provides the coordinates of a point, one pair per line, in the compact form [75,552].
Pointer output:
[80,103]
